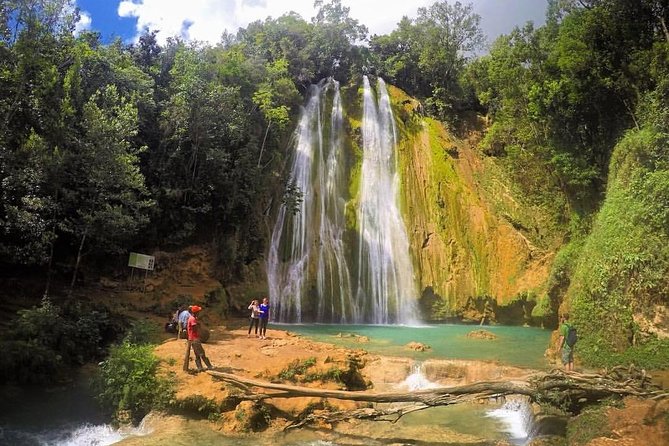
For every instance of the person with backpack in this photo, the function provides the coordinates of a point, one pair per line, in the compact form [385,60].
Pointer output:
[566,342]
[194,341]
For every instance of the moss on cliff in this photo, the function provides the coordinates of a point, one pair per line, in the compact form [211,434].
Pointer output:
[470,235]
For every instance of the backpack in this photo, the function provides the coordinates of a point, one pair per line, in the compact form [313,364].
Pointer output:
[572,336]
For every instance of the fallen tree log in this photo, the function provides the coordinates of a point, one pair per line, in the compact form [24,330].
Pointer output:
[558,388]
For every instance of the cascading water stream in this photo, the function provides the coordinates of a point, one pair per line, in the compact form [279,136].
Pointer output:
[309,260]
[385,273]
[286,278]
[417,380]
[318,223]
[333,277]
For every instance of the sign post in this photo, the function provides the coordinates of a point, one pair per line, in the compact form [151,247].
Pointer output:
[141,261]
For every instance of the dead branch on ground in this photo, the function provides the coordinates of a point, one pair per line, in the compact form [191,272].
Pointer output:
[571,391]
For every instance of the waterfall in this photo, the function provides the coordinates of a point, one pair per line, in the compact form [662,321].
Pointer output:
[517,416]
[317,226]
[385,272]
[333,277]
[286,278]
[417,380]
[312,250]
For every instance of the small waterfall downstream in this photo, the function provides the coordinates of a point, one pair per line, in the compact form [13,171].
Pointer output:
[517,415]
[417,379]
[319,268]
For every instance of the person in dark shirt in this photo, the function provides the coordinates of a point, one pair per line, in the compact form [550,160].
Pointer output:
[264,318]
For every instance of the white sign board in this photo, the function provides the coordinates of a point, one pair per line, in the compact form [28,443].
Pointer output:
[141,261]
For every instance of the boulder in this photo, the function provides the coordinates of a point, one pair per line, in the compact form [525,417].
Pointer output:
[417,346]
[481,334]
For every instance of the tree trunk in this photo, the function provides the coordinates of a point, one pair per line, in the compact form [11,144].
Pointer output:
[76,265]
[558,388]
[49,268]
[262,147]
[664,28]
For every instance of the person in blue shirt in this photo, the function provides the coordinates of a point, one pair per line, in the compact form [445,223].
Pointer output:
[264,318]
[182,322]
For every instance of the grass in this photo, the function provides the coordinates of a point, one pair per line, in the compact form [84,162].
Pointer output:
[591,423]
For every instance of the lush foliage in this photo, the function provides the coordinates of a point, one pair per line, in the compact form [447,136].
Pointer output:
[622,273]
[427,56]
[578,118]
[106,148]
[129,385]
[590,424]
[49,339]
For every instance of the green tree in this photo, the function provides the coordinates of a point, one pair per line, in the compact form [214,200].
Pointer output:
[427,56]
[104,199]
[332,46]
[275,97]
[36,37]
[285,38]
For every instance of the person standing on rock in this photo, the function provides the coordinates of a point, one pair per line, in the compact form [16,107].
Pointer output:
[264,317]
[182,322]
[255,317]
[566,343]
[193,330]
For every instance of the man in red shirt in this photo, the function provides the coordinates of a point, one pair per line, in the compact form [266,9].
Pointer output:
[192,327]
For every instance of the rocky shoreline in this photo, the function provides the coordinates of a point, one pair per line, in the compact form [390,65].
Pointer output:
[214,406]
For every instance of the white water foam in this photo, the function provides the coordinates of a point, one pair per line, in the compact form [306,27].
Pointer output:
[516,416]
[81,435]
[417,380]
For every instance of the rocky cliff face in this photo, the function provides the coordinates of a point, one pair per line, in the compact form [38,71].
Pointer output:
[471,239]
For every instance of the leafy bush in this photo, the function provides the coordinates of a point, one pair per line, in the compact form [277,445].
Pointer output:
[142,332]
[590,424]
[28,363]
[296,368]
[653,354]
[199,405]
[48,339]
[129,383]
[74,331]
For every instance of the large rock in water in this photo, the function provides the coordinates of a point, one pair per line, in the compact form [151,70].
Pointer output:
[481,334]
[417,346]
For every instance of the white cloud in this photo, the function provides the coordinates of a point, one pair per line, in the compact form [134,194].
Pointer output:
[84,22]
[206,20]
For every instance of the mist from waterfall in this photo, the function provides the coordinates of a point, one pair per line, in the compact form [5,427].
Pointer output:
[312,255]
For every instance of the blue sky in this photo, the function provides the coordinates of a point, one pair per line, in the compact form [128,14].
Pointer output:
[206,20]
[105,19]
